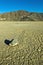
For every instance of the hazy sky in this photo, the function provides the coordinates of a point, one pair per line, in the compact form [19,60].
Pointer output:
[28,5]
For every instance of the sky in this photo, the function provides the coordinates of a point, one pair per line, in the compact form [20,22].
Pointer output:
[15,5]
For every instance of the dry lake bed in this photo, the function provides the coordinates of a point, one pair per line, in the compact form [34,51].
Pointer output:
[29,36]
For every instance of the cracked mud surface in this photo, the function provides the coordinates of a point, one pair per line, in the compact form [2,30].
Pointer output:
[29,50]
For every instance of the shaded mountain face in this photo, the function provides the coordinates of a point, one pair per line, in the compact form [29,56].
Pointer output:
[21,16]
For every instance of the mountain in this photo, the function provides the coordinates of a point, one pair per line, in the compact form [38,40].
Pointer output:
[21,16]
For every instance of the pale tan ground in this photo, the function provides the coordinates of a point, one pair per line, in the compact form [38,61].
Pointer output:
[29,36]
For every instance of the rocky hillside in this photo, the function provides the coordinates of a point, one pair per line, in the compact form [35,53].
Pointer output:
[21,16]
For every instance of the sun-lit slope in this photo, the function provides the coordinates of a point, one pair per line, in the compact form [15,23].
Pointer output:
[29,49]
[21,16]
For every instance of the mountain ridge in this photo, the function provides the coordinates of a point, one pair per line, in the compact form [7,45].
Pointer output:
[21,15]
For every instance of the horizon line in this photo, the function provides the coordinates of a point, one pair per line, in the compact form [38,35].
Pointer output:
[20,10]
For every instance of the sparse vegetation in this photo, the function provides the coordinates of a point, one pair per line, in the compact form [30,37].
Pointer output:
[29,50]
